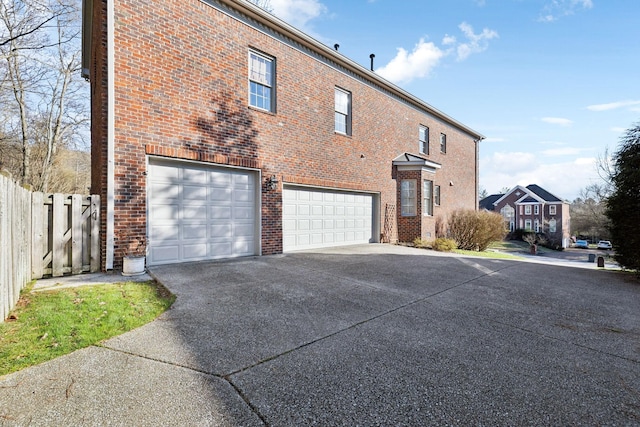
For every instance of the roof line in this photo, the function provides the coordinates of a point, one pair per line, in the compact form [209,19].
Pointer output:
[260,15]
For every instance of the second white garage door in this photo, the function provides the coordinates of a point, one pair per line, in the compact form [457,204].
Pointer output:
[316,218]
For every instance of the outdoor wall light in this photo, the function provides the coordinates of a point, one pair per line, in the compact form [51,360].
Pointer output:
[272,182]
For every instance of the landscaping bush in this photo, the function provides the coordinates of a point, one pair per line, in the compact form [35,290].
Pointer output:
[420,243]
[475,230]
[443,244]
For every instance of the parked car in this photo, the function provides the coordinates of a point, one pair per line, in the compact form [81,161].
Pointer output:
[604,244]
[581,244]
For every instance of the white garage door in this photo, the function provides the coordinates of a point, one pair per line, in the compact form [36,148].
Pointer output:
[316,218]
[197,212]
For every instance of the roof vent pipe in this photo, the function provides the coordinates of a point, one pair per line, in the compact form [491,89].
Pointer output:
[336,46]
[372,56]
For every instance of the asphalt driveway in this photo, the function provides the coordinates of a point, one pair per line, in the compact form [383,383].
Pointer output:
[362,335]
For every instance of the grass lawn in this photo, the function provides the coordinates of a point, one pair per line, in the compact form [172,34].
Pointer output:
[48,324]
[487,254]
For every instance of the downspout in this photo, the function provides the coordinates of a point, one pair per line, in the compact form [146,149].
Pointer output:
[477,144]
[110,133]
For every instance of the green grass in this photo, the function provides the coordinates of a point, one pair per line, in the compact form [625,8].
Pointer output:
[48,324]
[487,254]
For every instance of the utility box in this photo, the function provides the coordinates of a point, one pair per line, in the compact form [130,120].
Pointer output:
[601,261]
[592,257]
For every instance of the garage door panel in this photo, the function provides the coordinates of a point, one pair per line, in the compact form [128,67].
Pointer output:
[199,212]
[164,233]
[220,231]
[220,212]
[164,212]
[194,231]
[166,253]
[325,218]
[193,252]
[220,194]
[192,175]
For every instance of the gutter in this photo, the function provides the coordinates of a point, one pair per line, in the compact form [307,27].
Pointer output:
[261,16]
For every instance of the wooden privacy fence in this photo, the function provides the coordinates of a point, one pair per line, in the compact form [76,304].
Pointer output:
[66,231]
[44,235]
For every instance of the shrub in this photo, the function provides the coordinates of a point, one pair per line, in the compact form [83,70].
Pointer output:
[475,230]
[443,244]
[419,243]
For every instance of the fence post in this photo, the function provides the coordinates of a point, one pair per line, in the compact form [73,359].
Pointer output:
[76,234]
[37,232]
[58,228]
[94,220]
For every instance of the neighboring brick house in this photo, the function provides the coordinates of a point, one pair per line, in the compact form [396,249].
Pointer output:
[533,208]
[219,130]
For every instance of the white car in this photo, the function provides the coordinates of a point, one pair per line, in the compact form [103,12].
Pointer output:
[604,244]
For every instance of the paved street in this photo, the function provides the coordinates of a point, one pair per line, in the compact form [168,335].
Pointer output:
[362,335]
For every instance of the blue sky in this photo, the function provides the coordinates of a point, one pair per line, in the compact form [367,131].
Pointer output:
[550,83]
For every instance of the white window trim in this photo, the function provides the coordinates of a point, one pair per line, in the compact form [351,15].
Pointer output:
[423,142]
[527,210]
[427,197]
[552,210]
[408,201]
[347,114]
[270,84]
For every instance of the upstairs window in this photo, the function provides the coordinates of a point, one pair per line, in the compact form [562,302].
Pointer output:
[424,139]
[408,197]
[343,111]
[536,209]
[527,210]
[261,81]
[443,143]
[552,210]
[436,195]
[427,198]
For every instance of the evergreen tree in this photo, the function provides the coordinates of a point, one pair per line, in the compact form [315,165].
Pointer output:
[623,206]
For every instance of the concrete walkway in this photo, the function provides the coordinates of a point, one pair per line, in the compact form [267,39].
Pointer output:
[362,335]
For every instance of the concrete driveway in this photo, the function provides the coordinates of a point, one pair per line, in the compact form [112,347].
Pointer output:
[363,335]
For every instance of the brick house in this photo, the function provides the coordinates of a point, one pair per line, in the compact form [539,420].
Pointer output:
[219,130]
[533,208]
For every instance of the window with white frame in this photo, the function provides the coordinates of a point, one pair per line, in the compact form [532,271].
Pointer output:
[427,198]
[443,143]
[424,139]
[436,195]
[408,197]
[527,210]
[552,210]
[261,81]
[527,224]
[342,111]
[536,225]
[536,210]
[552,226]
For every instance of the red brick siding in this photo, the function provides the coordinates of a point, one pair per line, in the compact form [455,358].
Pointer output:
[181,91]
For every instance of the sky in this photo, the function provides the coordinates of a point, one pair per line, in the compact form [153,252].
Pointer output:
[551,84]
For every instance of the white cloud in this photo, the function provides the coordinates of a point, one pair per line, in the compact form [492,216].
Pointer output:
[425,56]
[493,139]
[562,178]
[618,130]
[557,121]
[476,42]
[614,105]
[298,12]
[564,151]
[406,66]
[556,9]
